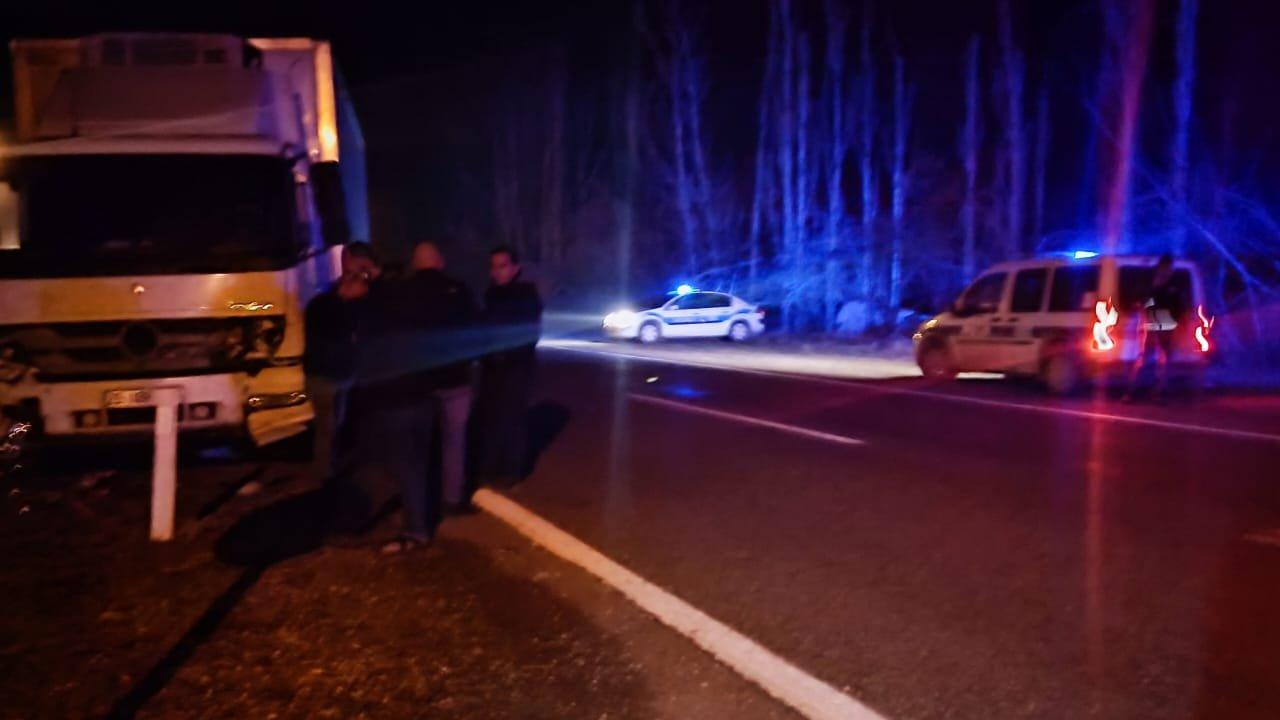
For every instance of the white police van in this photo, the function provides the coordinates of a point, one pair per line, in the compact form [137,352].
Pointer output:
[690,314]
[1065,320]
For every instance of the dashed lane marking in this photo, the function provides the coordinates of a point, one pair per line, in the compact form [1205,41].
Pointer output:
[747,420]
[947,397]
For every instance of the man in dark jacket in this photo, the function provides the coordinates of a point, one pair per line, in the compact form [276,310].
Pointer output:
[408,350]
[329,358]
[452,378]
[512,318]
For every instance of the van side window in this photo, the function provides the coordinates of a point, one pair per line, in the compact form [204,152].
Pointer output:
[1028,290]
[1070,285]
[983,296]
[1135,284]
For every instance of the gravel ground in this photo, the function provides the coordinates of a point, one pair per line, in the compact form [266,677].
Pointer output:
[248,614]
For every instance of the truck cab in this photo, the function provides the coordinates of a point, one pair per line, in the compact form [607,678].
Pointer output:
[1063,319]
[171,205]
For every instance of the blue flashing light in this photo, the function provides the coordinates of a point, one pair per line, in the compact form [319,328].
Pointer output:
[1084,254]
[684,289]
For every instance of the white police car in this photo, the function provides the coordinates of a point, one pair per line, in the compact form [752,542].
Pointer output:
[690,314]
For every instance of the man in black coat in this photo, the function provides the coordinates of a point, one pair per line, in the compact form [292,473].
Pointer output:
[408,350]
[512,317]
[459,347]
[329,357]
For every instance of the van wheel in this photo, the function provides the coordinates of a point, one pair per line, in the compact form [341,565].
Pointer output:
[935,363]
[1061,374]
[739,332]
[650,333]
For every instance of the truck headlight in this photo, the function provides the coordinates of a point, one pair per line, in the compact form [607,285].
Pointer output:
[12,366]
[268,334]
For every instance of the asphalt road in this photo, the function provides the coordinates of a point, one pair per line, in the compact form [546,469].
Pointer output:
[968,551]
[973,550]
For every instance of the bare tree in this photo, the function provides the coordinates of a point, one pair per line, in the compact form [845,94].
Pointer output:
[837,23]
[969,150]
[1128,38]
[762,185]
[551,242]
[1183,88]
[901,126]
[1041,160]
[866,152]
[1013,73]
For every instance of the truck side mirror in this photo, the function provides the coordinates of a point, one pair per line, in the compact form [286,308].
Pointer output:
[326,180]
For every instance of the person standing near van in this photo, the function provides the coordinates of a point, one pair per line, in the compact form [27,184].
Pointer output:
[1162,310]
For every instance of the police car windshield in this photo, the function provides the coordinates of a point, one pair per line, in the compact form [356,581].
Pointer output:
[156,214]
[651,302]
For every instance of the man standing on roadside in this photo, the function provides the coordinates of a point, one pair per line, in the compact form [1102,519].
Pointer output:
[451,382]
[329,357]
[512,317]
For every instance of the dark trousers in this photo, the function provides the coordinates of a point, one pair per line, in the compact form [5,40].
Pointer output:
[501,432]
[395,451]
[329,398]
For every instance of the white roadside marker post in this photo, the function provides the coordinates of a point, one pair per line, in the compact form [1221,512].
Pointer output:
[164,464]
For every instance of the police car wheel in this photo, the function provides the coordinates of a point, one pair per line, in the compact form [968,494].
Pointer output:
[935,363]
[649,333]
[1061,374]
[739,332]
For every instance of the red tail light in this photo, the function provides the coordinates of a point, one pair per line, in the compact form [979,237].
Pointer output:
[1107,319]
[1202,332]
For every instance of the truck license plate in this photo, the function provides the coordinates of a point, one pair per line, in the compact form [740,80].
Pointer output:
[129,398]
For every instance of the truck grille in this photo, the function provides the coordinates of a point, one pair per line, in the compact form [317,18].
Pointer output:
[116,349]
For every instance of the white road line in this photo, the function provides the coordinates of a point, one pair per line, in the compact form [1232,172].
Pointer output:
[1069,412]
[747,420]
[1264,537]
[808,695]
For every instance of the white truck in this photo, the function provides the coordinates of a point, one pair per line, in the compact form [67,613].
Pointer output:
[168,206]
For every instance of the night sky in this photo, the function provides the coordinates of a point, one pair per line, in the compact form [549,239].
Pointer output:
[422,80]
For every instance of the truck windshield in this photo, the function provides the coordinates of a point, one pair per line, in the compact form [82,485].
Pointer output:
[147,214]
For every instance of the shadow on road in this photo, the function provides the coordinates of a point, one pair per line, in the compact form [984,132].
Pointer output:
[545,422]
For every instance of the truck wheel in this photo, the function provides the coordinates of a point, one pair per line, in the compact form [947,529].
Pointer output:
[1061,374]
[650,333]
[935,362]
[739,332]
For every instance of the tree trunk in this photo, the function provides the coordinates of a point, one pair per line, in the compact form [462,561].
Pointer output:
[1128,30]
[786,145]
[804,179]
[1015,134]
[684,193]
[837,22]
[1041,160]
[901,123]
[552,240]
[866,151]
[1183,88]
[972,139]
[627,169]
